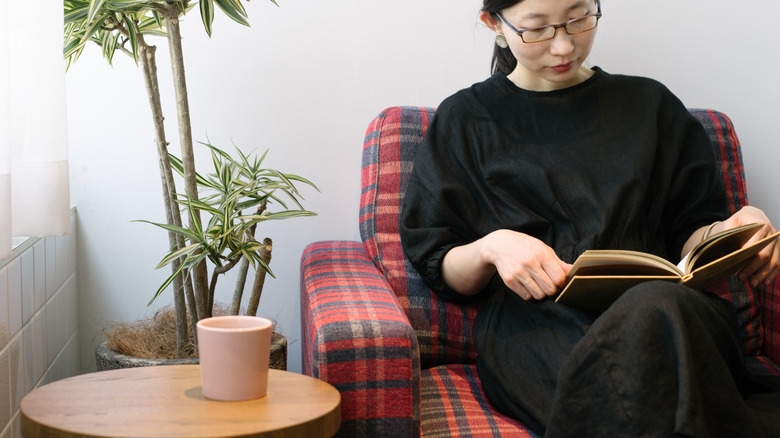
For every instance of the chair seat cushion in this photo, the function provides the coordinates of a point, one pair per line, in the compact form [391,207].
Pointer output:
[453,405]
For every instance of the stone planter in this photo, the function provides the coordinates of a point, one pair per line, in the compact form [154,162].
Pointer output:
[108,359]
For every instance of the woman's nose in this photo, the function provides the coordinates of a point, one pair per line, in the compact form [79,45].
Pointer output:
[561,43]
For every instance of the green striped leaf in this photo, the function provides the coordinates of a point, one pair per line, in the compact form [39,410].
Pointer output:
[207,14]
[109,45]
[239,7]
[185,232]
[132,29]
[186,251]
[93,28]
[72,47]
[127,4]
[94,8]
[165,284]
[76,13]
[200,205]
[197,228]
[287,214]
[234,10]
[158,19]
[263,264]
[178,166]
[301,179]
[150,26]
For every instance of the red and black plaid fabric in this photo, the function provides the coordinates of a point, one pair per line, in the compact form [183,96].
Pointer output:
[402,358]
[443,329]
[453,404]
[356,337]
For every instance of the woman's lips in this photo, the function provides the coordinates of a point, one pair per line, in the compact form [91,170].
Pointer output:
[563,67]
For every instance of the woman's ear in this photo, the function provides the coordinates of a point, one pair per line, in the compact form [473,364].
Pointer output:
[490,21]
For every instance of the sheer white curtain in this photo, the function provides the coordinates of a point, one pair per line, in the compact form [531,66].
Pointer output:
[34,193]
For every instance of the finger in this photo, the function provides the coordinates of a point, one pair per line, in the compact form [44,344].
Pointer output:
[529,292]
[768,273]
[534,279]
[751,268]
[556,271]
[762,267]
[523,293]
[545,284]
[765,275]
[521,285]
[533,288]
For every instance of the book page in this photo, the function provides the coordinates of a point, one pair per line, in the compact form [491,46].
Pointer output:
[717,246]
[713,249]
[621,262]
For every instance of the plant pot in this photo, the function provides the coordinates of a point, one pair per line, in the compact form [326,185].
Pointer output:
[278,352]
[108,359]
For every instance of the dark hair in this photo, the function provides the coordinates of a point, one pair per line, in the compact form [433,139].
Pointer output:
[503,60]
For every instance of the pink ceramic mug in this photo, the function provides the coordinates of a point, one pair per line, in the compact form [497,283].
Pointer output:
[234,354]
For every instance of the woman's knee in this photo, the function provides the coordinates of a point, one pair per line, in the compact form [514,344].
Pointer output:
[659,294]
[667,299]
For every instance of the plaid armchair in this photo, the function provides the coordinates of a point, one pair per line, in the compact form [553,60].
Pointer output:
[402,358]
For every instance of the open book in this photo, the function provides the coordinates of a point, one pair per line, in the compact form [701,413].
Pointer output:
[598,277]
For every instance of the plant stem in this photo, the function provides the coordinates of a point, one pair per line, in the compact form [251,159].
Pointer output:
[238,293]
[257,288]
[219,270]
[148,63]
[199,272]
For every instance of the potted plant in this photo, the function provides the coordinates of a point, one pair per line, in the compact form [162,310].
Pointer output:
[239,190]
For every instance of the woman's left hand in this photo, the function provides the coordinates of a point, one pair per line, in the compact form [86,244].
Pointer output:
[765,266]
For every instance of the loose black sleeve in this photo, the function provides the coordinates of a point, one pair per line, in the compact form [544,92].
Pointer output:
[693,191]
[438,204]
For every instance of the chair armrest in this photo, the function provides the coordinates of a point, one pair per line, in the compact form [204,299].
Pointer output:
[769,296]
[357,338]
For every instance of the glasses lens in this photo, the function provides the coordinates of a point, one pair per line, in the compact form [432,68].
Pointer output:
[539,34]
[583,24]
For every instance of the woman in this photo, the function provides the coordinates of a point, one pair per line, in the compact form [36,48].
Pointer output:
[520,174]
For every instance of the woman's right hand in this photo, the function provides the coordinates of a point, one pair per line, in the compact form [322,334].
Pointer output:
[527,265]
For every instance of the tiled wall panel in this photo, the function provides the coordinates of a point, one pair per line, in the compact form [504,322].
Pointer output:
[38,321]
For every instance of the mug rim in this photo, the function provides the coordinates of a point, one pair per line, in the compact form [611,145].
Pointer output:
[207,323]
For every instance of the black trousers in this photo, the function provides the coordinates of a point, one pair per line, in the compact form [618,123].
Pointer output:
[664,360]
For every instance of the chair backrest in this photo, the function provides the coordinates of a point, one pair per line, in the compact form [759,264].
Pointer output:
[444,329]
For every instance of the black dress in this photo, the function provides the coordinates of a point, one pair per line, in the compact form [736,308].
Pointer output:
[614,162]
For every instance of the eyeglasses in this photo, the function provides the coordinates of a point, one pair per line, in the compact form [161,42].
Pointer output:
[544,33]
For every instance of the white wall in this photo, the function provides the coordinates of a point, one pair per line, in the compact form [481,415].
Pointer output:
[309,76]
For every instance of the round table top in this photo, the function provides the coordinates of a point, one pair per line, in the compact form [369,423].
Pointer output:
[167,401]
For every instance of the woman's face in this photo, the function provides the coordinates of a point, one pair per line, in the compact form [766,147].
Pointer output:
[552,64]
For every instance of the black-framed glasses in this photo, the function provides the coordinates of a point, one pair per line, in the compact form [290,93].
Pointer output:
[544,33]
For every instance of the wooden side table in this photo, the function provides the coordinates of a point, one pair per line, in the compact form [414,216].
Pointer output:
[167,401]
